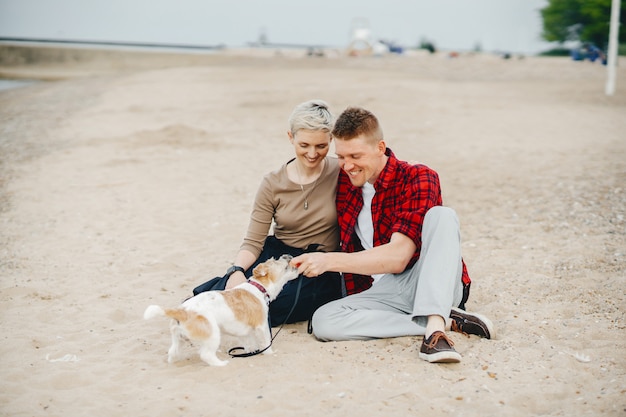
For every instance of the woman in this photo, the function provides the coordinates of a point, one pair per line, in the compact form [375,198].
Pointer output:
[299,198]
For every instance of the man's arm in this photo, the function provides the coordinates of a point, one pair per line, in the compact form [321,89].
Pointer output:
[392,257]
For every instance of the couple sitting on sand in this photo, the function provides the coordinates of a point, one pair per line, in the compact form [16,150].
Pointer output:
[378,254]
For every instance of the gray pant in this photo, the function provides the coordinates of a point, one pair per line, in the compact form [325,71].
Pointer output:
[399,304]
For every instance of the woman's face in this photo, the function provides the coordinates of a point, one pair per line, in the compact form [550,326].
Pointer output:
[311,146]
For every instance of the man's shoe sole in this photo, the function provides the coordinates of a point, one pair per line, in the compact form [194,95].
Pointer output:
[442,357]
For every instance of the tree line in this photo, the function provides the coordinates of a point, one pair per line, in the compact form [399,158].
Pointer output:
[581,20]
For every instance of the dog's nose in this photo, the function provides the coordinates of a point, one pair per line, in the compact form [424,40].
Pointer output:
[287,257]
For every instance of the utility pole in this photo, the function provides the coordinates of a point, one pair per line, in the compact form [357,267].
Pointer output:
[612,52]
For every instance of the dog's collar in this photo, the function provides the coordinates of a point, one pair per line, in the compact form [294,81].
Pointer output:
[262,289]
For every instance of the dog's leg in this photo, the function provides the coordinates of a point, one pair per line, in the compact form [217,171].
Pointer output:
[174,351]
[209,347]
[250,342]
[265,336]
[208,354]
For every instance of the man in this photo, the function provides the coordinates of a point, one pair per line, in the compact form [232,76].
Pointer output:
[401,251]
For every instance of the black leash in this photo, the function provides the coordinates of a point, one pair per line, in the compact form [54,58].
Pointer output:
[256,352]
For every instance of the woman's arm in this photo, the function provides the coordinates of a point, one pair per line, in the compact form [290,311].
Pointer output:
[258,227]
[244,259]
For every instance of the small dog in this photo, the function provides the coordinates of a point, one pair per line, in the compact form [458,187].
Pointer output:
[241,312]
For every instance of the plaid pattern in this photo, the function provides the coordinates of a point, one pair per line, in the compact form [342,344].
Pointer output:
[404,193]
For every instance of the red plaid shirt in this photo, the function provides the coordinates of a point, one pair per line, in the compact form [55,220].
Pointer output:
[404,193]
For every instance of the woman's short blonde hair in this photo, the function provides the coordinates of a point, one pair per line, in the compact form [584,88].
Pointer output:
[311,115]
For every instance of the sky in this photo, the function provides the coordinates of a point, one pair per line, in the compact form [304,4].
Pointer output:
[494,25]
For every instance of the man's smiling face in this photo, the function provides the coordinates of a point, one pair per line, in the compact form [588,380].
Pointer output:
[362,160]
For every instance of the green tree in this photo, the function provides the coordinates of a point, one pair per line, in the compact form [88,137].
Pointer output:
[583,20]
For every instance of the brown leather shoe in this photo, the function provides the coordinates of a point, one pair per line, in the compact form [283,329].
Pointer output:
[471,323]
[438,349]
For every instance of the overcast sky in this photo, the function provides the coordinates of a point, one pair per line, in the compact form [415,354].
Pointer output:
[495,25]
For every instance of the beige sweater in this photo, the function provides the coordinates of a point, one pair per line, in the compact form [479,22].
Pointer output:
[280,200]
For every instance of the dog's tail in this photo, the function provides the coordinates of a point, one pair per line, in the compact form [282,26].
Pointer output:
[197,326]
[153,311]
[177,314]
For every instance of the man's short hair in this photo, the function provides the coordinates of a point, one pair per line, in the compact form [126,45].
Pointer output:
[356,121]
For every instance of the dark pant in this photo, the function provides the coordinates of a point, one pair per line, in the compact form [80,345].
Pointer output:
[313,292]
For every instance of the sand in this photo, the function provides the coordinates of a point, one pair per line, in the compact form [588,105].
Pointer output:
[128,180]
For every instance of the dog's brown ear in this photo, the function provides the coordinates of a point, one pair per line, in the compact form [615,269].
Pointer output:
[260,271]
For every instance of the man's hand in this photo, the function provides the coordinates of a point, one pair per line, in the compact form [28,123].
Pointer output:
[390,258]
[311,264]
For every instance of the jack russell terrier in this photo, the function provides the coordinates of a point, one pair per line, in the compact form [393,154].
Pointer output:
[240,312]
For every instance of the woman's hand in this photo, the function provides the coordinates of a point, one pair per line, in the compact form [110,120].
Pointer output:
[235,279]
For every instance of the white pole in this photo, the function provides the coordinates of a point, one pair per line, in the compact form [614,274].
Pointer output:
[612,52]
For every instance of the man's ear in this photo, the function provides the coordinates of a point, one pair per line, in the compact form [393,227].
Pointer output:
[382,146]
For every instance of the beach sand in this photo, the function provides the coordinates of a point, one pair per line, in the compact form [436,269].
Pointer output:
[128,181]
